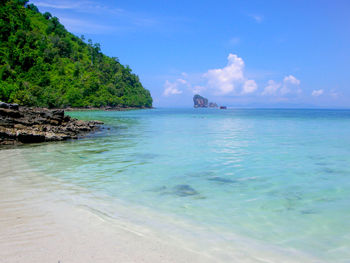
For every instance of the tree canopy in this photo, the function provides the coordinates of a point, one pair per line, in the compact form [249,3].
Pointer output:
[42,64]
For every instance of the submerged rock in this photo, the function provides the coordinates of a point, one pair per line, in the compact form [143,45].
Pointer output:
[221,180]
[328,170]
[184,190]
[29,125]
[308,212]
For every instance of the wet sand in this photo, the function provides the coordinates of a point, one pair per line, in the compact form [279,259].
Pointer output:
[34,227]
[40,222]
[29,234]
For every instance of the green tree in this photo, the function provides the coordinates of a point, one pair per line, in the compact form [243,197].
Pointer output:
[42,64]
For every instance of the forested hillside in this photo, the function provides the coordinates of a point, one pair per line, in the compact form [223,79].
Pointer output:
[42,64]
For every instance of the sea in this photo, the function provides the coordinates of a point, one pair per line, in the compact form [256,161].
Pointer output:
[266,179]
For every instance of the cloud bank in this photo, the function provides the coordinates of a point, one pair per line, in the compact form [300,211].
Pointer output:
[221,81]
[231,80]
[171,88]
[289,86]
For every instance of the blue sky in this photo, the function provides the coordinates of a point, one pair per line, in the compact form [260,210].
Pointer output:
[237,53]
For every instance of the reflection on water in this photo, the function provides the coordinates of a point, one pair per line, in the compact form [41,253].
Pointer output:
[279,176]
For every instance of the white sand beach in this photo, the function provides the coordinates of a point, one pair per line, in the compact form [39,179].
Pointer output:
[36,228]
[38,225]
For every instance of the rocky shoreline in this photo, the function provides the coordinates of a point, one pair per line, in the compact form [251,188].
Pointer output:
[32,125]
[105,108]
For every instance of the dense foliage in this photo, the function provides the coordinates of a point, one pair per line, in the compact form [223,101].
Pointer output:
[42,64]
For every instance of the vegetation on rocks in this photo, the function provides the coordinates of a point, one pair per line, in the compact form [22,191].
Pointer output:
[42,64]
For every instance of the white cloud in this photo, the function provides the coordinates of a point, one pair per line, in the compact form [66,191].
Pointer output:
[183,84]
[249,86]
[271,88]
[84,6]
[122,18]
[182,81]
[198,89]
[290,85]
[228,79]
[317,93]
[257,18]
[171,88]
[291,79]
[231,80]
[334,94]
[61,5]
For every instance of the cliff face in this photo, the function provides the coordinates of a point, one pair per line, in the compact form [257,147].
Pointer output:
[200,102]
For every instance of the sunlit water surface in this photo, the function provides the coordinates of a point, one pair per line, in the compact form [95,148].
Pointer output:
[279,177]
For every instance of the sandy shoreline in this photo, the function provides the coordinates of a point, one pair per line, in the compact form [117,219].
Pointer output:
[37,224]
[34,227]
[31,234]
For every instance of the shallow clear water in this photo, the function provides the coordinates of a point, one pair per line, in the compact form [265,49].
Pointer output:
[281,177]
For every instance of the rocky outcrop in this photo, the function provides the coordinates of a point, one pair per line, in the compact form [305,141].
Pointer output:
[184,190]
[28,125]
[200,102]
[212,105]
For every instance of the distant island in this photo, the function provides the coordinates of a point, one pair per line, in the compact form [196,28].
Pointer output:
[201,102]
[212,105]
[44,65]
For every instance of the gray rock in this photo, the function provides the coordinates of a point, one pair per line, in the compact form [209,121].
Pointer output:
[184,190]
[221,180]
[200,102]
[212,105]
[32,125]
[4,105]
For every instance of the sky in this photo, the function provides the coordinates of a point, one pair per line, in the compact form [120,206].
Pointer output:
[272,53]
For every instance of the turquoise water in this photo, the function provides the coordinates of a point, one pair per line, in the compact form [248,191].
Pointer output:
[281,177]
